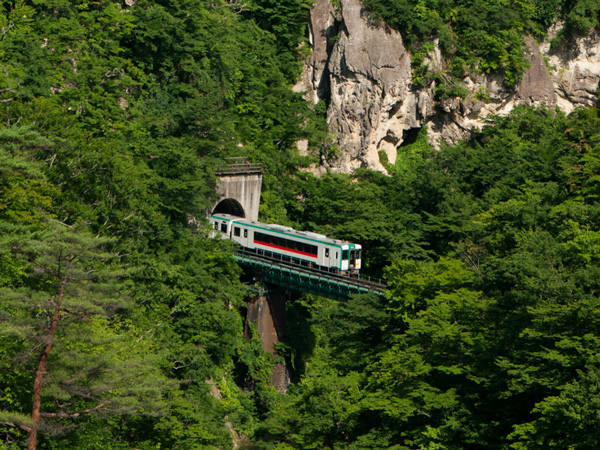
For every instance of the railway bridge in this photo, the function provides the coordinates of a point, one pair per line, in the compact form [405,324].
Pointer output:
[297,278]
[239,190]
[266,306]
[239,187]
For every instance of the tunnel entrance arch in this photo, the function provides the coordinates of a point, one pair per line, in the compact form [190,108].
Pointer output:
[238,189]
[229,206]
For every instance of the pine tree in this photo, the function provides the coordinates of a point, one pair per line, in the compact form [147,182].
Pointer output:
[65,315]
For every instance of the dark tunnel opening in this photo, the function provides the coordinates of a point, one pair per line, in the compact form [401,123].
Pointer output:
[229,206]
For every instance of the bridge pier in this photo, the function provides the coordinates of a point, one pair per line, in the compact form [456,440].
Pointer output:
[267,307]
[267,310]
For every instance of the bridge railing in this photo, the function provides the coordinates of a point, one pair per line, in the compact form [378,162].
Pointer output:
[280,260]
[236,166]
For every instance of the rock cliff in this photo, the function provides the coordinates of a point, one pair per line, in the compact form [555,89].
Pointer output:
[363,71]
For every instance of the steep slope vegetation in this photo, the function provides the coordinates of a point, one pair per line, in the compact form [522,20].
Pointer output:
[121,324]
[119,321]
[488,334]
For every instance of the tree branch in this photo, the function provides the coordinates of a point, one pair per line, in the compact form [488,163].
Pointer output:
[64,415]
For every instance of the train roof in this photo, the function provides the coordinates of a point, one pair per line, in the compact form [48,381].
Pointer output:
[286,230]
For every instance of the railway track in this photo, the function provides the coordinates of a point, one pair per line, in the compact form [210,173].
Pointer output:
[370,283]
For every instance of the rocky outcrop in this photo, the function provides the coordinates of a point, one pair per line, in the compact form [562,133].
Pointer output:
[574,68]
[362,69]
[322,32]
[370,99]
[536,85]
[367,73]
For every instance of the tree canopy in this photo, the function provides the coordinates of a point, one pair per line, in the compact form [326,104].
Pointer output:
[481,35]
[487,336]
[121,319]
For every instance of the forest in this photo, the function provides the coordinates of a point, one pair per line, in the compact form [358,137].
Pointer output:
[121,319]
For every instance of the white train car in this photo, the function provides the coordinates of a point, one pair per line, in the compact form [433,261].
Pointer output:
[300,247]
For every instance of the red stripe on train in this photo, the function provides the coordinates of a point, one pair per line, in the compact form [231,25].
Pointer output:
[312,255]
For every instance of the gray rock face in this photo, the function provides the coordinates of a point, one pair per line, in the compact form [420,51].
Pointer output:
[364,72]
[536,85]
[575,69]
[322,32]
[370,77]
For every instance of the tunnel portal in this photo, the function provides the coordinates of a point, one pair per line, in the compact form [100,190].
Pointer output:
[229,206]
[238,189]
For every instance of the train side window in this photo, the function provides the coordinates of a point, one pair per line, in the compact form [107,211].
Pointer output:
[326,253]
[224,227]
[216,226]
[336,255]
[236,231]
[245,233]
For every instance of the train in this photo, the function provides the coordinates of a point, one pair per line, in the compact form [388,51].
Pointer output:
[304,248]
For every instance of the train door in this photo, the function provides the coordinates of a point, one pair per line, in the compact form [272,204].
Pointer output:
[358,255]
[336,258]
[352,259]
[236,232]
[345,256]
[224,227]
[215,227]
[329,260]
[247,235]
[239,233]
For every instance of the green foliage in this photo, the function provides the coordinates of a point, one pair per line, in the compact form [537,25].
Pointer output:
[583,16]
[487,336]
[414,284]
[60,314]
[566,419]
[481,36]
[369,212]
[115,117]
[287,21]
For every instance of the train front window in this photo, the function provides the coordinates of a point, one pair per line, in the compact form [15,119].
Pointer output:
[345,255]
[224,227]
